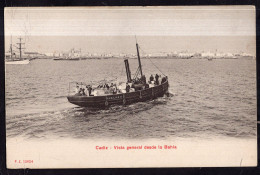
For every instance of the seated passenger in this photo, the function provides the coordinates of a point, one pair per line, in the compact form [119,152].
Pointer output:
[114,91]
[83,91]
[77,89]
[115,87]
[107,86]
[163,79]
[127,87]
[111,89]
[89,90]
[80,91]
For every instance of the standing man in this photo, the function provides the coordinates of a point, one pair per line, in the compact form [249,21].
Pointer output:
[143,79]
[160,79]
[151,78]
[156,79]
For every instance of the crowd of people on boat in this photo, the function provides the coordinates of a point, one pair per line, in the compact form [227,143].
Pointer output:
[81,91]
[113,88]
[108,89]
[157,79]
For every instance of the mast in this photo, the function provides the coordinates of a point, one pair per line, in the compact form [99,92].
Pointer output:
[139,60]
[11,48]
[20,46]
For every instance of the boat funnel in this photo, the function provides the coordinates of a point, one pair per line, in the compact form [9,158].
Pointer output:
[128,72]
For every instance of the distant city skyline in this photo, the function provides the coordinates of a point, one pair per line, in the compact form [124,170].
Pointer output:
[112,30]
[148,44]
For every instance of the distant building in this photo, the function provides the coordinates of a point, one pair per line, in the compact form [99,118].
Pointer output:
[208,54]
[31,54]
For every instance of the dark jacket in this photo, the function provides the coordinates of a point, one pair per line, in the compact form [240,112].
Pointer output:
[127,88]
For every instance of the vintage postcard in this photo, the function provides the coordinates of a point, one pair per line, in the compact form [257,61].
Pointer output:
[99,87]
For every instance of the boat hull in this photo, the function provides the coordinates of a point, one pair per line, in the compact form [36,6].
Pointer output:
[120,99]
[18,62]
[64,59]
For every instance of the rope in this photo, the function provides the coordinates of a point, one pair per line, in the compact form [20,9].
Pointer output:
[137,72]
[156,66]
[152,62]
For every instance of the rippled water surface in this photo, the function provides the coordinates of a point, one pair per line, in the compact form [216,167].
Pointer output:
[209,99]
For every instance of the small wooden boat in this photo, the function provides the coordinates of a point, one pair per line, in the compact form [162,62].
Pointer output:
[142,92]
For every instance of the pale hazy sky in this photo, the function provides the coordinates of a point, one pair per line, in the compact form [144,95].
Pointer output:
[225,28]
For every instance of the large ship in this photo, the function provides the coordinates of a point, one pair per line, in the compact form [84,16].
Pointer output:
[12,58]
[133,91]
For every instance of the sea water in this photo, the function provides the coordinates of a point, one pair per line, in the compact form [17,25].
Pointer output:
[208,100]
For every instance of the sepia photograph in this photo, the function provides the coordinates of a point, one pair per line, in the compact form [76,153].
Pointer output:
[119,87]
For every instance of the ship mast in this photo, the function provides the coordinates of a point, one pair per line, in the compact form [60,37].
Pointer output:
[139,60]
[20,47]
[11,48]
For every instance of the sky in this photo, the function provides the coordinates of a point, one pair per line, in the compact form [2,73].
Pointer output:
[113,29]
